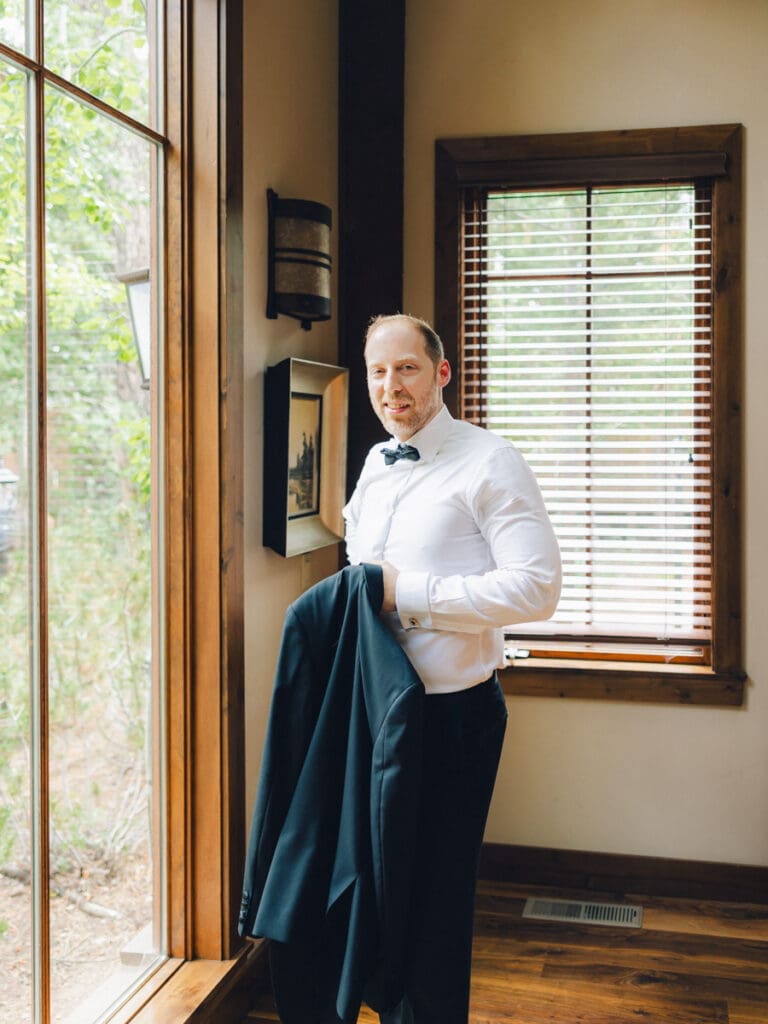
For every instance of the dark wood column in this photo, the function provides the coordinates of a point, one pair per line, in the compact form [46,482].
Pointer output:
[370,272]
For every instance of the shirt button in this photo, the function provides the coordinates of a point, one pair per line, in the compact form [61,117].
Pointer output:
[414,622]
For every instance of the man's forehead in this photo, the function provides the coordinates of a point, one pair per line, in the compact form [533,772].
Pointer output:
[399,356]
[403,342]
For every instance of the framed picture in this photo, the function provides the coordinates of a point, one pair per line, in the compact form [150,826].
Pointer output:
[304,430]
[305,455]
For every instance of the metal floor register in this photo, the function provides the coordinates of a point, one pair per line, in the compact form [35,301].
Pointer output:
[620,915]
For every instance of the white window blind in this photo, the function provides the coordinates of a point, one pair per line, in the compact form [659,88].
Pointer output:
[586,341]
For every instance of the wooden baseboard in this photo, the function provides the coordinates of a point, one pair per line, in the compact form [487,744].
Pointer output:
[618,874]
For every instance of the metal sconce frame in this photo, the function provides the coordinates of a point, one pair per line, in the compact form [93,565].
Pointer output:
[298,259]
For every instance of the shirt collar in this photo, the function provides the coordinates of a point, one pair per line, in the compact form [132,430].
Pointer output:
[430,438]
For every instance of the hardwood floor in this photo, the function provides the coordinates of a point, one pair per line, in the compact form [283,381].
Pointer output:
[692,962]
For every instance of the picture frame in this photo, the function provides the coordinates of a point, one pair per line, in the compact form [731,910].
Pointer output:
[304,452]
[305,455]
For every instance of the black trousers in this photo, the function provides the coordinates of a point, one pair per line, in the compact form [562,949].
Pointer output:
[463,734]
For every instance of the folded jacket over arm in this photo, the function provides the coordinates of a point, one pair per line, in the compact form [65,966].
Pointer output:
[328,867]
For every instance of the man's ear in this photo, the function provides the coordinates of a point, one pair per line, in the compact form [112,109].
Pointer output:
[443,372]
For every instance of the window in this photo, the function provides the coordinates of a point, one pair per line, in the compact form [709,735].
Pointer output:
[115,802]
[81,715]
[594,296]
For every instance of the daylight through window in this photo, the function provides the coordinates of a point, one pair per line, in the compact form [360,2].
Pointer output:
[81,870]
[586,340]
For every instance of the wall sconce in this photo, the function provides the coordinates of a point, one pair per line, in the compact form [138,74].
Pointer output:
[137,288]
[299,259]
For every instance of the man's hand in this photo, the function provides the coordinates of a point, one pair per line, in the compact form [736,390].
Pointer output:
[390,574]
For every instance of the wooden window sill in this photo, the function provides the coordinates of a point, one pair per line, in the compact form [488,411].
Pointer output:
[657,684]
[196,991]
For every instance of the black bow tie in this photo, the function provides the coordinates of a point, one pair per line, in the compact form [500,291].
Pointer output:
[403,451]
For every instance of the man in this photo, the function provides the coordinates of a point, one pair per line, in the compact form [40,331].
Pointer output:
[455,518]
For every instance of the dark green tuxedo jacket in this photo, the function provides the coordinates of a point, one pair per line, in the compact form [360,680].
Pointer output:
[328,867]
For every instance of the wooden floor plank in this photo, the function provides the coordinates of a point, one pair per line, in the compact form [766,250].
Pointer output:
[606,995]
[643,947]
[734,920]
[659,982]
[533,1009]
[692,962]
[741,1012]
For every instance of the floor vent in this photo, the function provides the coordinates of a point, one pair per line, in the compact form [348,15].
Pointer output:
[620,915]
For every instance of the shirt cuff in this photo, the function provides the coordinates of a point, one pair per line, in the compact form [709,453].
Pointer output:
[412,599]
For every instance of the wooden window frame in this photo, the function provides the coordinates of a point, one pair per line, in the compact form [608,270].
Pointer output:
[204,486]
[205,760]
[210,970]
[628,157]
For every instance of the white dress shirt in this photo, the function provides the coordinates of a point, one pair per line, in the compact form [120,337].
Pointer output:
[467,529]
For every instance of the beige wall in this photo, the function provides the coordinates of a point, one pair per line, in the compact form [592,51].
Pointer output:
[661,781]
[290,145]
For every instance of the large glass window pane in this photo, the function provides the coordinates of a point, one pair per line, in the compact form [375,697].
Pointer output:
[15,703]
[105,48]
[15,29]
[104,877]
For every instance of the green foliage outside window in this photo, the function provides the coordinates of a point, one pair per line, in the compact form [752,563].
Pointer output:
[98,516]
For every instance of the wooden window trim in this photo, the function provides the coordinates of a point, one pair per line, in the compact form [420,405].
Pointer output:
[618,158]
[209,967]
[205,826]
[642,684]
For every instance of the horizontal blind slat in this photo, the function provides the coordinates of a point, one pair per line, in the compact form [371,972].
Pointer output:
[586,342]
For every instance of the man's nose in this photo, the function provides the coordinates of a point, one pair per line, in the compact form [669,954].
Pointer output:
[392,381]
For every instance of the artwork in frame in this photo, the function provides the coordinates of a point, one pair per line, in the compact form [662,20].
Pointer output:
[304,430]
[305,455]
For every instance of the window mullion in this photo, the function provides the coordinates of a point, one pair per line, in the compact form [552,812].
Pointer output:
[34,21]
[38,547]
